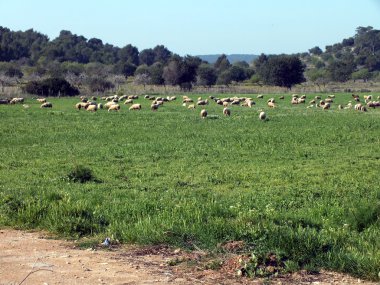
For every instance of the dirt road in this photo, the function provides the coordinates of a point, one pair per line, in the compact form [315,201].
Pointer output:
[31,258]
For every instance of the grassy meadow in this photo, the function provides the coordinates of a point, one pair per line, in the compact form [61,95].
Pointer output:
[304,185]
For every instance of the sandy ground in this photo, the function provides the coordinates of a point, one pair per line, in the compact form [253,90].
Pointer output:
[32,258]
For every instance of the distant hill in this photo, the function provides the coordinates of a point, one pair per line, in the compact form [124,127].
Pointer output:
[211,58]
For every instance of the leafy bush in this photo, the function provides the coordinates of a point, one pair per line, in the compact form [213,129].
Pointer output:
[51,87]
[81,174]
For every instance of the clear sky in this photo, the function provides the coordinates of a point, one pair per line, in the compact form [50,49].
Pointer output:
[198,26]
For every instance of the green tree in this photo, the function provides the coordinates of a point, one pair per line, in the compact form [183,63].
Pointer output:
[222,63]
[363,74]
[206,75]
[340,71]
[282,70]
[147,56]
[315,50]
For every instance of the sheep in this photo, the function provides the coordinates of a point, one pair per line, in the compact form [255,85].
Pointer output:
[282,97]
[154,107]
[84,99]
[260,96]
[16,100]
[225,104]
[326,106]
[100,106]
[135,107]
[329,100]
[250,103]
[26,106]
[192,106]
[187,100]
[202,102]
[128,101]
[368,97]
[78,106]
[262,116]
[331,96]
[340,107]
[203,113]
[317,98]
[356,97]
[271,100]
[146,96]
[271,104]
[226,112]
[114,107]
[358,106]
[109,104]
[46,105]
[41,100]
[92,108]
[303,96]
[4,101]
[301,100]
[93,98]
[312,102]
[219,102]
[294,100]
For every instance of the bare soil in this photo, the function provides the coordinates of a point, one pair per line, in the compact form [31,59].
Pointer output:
[36,258]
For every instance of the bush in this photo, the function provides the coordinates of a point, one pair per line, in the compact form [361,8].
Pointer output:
[51,87]
[80,174]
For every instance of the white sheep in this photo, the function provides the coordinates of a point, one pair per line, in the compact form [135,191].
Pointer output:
[114,107]
[226,112]
[46,105]
[135,107]
[262,116]
[203,113]
[92,108]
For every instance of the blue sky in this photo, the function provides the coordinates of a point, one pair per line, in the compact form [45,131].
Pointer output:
[198,26]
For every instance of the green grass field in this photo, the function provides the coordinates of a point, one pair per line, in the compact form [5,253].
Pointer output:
[305,184]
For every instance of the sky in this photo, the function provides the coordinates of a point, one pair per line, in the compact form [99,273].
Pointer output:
[197,27]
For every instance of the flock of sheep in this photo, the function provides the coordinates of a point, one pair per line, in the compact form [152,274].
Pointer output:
[112,103]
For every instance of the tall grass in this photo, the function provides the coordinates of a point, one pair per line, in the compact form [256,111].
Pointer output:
[303,184]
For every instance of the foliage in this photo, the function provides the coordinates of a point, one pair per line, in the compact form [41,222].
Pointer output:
[80,174]
[51,87]
[98,84]
[282,70]
[206,75]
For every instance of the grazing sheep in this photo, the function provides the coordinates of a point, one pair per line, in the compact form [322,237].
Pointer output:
[192,106]
[109,104]
[154,107]
[331,96]
[282,97]
[329,100]
[41,100]
[260,96]
[128,101]
[301,100]
[219,102]
[114,107]
[46,105]
[303,96]
[135,107]
[203,113]
[368,97]
[271,100]
[326,106]
[4,101]
[262,116]
[271,104]
[226,112]
[312,102]
[356,97]
[202,102]
[84,99]
[26,106]
[78,106]
[250,103]
[146,96]
[187,100]
[93,98]
[16,100]
[92,108]
[340,107]
[100,106]
[225,104]
[317,98]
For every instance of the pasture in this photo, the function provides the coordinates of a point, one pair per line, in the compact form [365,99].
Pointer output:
[303,185]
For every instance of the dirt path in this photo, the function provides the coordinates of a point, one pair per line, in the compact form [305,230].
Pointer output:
[31,258]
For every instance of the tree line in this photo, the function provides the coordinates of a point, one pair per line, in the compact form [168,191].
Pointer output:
[30,56]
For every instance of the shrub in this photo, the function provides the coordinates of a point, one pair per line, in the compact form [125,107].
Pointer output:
[80,174]
[51,87]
